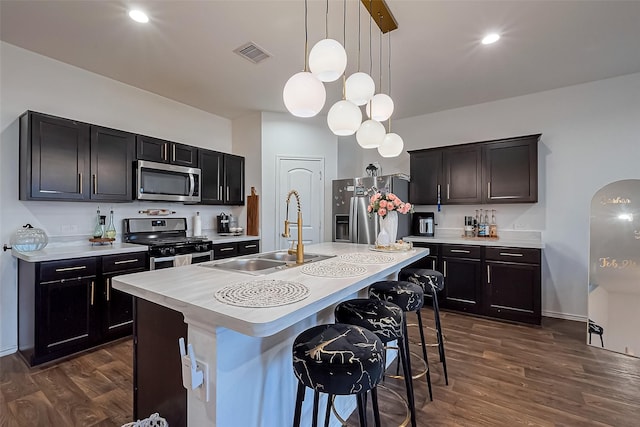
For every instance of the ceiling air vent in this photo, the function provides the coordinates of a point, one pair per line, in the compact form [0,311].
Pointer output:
[252,52]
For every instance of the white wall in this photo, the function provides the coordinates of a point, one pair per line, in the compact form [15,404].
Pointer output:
[31,81]
[247,141]
[284,134]
[590,137]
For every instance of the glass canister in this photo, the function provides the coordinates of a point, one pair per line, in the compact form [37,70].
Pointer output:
[29,239]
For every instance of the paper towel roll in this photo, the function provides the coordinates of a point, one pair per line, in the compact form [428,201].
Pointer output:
[197,225]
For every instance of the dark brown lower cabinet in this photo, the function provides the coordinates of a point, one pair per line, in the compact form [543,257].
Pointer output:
[462,272]
[512,284]
[499,282]
[66,306]
[157,368]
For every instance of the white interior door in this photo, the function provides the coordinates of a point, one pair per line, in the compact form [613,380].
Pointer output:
[306,176]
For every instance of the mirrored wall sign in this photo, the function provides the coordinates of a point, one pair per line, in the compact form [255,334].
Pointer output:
[614,271]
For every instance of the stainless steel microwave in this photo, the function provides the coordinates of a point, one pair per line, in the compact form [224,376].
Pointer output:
[164,182]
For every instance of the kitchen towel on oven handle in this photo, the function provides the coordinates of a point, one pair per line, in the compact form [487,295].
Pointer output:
[180,260]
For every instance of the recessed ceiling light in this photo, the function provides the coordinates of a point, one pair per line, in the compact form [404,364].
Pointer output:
[138,16]
[491,38]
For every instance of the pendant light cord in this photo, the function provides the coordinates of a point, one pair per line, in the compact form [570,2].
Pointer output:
[359,36]
[344,44]
[326,21]
[389,56]
[306,38]
[370,54]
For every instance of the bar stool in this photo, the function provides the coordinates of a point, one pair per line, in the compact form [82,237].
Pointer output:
[385,320]
[432,282]
[338,359]
[409,297]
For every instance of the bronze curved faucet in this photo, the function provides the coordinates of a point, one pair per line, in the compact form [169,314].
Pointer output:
[300,248]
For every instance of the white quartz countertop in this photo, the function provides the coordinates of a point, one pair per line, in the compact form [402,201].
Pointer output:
[513,240]
[77,250]
[190,290]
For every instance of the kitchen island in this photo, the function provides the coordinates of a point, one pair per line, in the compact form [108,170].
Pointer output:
[248,350]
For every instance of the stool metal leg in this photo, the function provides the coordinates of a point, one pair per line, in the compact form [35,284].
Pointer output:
[316,398]
[436,313]
[374,404]
[327,414]
[362,409]
[403,348]
[424,354]
[299,400]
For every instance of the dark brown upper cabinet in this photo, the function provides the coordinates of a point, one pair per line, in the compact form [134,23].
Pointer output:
[111,164]
[222,177]
[162,151]
[462,169]
[510,170]
[426,177]
[498,171]
[62,159]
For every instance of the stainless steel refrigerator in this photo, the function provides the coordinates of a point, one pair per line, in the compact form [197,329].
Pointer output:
[351,221]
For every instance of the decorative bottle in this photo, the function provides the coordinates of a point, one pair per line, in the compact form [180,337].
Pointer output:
[97,231]
[482,230]
[110,233]
[493,227]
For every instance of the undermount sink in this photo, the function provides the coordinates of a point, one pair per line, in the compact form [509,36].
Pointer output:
[264,263]
[287,257]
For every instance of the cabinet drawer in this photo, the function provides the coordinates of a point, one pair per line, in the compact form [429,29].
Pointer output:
[461,251]
[434,248]
[251,247]
[507,254]
[67,269]
[225,250]
[124,262]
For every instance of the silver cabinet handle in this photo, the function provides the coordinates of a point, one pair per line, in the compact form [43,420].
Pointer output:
[461,251]
[173,153]
[164,151]
[250,246]
[489,274]
[220,193]
[108,289]
[80,182]
[433,264]
[126,261]
[444,265]
[60,270]
[95,184]
[227,192]
[489,189]
[93,285]
[448,192]
[510,254]
[226,249]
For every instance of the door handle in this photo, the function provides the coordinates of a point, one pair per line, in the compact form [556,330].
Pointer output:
[433,264]
[488,274]
[250,246]
[173,153]
[192,184]
[126,261]
[227,193]
[164,152]
[444,268]
[93,285]
[226,249]
[60,270]
[510,254]
[95,184]
[448,192]
[353,236]
[109,289]
[80,182]
[461,251]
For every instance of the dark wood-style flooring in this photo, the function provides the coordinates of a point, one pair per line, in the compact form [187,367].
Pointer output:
[500,374]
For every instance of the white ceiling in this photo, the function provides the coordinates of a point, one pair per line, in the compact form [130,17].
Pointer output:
[186,51]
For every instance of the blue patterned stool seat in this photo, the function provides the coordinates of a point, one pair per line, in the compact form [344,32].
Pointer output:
[432,282]
[380,317]
[338,359]
[408,296]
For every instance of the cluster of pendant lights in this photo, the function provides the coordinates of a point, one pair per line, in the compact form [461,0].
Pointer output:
[304,96]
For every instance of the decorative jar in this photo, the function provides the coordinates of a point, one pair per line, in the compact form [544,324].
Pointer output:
[29,239]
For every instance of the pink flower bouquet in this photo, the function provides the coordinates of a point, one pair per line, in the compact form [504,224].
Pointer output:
[382,204]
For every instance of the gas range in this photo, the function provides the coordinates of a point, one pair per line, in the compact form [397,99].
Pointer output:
[166,238]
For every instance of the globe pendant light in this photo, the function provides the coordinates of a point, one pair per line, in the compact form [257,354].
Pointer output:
[304,95]
[360,88]
[327,60]
[382,107]
[344,118]
[392,145]
[370,134]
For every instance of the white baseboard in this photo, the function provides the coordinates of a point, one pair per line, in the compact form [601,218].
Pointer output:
[8,351]
[566,316]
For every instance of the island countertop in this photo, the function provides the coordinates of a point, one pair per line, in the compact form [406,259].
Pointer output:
[190,289]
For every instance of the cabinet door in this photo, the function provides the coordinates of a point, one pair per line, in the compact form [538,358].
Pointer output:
[233,180]
[513,291]
[462,168]
[211,166]
[510,171]
[111,164]
[152,149]
[426,177]
[66,313]
[462,284]
[54,156]
[183,155]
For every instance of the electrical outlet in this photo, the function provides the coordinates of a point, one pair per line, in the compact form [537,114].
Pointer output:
[519,226]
